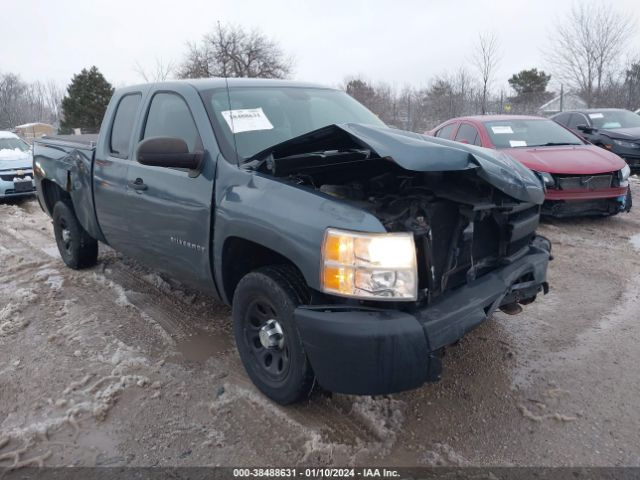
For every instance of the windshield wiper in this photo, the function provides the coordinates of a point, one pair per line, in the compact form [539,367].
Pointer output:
[554,144]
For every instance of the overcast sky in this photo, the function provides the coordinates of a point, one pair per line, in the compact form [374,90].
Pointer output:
[400,42]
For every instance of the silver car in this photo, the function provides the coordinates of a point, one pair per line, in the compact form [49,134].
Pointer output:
[16,167]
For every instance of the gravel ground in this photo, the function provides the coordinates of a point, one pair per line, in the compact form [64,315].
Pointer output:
[117,366]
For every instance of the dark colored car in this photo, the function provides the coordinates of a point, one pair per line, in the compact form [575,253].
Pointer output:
[581,179]
[352,254]
[613,129]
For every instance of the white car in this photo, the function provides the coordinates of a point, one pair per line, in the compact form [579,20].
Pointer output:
[16,167]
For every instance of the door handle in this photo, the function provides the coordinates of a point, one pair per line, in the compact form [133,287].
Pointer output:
[137,184]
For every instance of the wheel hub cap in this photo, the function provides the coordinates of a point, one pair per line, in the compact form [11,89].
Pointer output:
[271,335]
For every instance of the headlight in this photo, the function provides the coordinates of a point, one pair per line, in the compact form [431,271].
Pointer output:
[625,144]
[547,178]
[624,173]
[380,266]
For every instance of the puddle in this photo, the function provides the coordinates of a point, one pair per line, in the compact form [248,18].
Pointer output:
[202,345]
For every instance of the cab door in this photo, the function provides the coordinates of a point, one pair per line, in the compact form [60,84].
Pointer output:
[169,210]
[110,168]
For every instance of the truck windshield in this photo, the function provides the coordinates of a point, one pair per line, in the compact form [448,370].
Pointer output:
[261,117]
[529,133]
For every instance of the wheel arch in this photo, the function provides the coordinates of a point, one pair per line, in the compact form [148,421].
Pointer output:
[52,193]
[241,256]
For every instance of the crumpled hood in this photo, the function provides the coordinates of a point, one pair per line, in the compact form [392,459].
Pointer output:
[575,160]
[420,153]
[622,133]
[14,159]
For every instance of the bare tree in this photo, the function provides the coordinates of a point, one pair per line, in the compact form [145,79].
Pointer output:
[585,49]
[486,58]
[22,102]
[230,51]
[418,109]
[54,94]
[160,71]
[12,89]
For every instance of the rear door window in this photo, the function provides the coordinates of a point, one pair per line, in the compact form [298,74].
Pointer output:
[468,134]
[123,122]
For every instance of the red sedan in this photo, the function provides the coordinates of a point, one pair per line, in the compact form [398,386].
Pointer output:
[580,178]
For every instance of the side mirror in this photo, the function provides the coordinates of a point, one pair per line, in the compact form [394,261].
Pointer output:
[167,152]
[585,128]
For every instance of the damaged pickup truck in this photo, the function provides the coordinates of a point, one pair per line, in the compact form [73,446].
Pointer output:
[352,254]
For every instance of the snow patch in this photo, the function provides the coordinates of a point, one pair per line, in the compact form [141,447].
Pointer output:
[51,276]
[442,455]
[121,293]
[161,284]
[93,395]
[383,416]
[52,251]
[635,241]
[10,319]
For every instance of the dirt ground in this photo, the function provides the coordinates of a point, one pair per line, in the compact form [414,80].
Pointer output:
[117,366]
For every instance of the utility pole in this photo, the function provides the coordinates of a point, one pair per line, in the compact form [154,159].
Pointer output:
[561,97]
[409,112]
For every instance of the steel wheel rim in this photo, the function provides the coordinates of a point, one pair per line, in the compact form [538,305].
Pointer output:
[65,235]
[274,363]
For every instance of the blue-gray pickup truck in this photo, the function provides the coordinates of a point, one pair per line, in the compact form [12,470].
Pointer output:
[351,253]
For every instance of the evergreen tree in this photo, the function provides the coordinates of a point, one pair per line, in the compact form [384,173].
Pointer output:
[530,82]
[86,101]
[531,90]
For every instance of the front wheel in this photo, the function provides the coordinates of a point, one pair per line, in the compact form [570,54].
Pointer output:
[77,248]
[629,201]
[266,334]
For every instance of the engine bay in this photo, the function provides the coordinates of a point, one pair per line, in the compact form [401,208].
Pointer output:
[463,227]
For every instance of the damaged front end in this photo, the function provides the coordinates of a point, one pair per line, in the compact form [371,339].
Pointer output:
[473,215]
[470,210]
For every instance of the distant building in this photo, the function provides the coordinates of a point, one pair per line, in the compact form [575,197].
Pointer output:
[31,131]
[569,101]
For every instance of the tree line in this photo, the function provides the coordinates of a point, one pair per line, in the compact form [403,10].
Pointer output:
[585,55]
[22,102]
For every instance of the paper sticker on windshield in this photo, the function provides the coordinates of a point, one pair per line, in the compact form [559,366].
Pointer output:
[517,143]
[596,115]
[246,120]
[498,129]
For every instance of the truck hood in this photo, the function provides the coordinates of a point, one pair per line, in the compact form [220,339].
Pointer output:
[622,133]
[14,159]
[416,152]
[575,160]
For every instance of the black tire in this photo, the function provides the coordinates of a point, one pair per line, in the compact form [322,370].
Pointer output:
[77,248]
[282,372]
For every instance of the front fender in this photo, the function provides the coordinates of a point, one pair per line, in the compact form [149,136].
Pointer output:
[285,218]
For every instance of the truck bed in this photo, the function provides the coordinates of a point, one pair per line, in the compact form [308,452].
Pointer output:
[67,161]
[84,141]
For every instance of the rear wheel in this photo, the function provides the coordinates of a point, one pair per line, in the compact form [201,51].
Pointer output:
[266,335]
[77,248]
